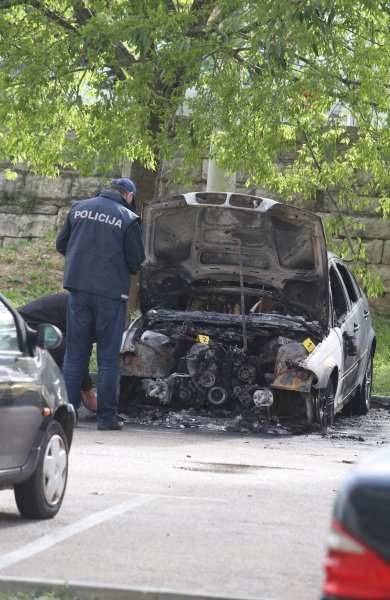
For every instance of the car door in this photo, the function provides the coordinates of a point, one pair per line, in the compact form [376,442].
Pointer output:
[345,322]
[359,315]
[20,393]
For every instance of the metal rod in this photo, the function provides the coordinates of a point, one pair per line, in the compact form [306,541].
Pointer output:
[242,294]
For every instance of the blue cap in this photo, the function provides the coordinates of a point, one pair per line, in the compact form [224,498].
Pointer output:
[127,183]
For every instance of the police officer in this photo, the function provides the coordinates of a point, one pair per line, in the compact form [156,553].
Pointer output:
[102,243]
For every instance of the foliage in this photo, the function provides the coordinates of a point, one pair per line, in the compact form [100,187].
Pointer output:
[86,84]
[381,379]
[86,79]
[65,593]
[19,283]
[351,247]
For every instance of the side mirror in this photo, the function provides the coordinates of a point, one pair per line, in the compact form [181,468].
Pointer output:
[48,336]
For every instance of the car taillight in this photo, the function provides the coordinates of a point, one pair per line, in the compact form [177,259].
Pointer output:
[353,571]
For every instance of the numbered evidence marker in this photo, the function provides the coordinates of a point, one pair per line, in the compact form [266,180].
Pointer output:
[309,345]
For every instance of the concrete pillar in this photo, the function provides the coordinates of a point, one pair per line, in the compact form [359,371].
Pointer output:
[218,180]
[126,168]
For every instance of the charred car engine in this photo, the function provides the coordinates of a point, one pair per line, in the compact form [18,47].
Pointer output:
[197,358]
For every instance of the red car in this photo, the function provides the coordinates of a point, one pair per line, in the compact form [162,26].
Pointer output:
[358,560]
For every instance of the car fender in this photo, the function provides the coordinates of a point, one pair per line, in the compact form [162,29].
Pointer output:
[327,356]
[129,334]
[300,373]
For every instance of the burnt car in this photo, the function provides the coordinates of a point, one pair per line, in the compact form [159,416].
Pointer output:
[36,420]
[357,563]
[242,306]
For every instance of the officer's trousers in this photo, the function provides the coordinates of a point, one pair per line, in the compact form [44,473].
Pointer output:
[94,318]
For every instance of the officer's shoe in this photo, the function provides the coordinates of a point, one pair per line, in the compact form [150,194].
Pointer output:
[113,426]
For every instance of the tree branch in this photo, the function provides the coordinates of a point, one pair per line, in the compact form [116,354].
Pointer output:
[51,14]
[170,6]
[200,4]
[83,15]
[123,54]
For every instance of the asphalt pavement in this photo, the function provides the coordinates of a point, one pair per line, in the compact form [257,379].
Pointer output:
[169,513]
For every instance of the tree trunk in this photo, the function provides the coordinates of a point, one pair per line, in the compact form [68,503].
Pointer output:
[146,182]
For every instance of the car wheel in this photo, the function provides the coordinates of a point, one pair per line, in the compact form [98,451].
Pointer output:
[324,406]
[40,497]
[361,402]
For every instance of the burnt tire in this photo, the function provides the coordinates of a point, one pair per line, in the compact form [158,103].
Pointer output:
[361,402]
[40,497]
[324,414]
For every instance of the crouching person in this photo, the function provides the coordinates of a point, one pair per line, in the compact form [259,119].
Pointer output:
[53,308]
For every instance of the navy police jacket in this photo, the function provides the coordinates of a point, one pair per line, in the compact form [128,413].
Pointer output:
[102,243]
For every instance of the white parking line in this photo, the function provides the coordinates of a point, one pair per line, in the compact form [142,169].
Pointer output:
[201,498]
[68,531]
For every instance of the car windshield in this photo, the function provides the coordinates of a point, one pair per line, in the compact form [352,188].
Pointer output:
[8,331]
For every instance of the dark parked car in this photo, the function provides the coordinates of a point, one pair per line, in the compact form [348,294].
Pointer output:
[243,306]
[36,421]
[358,559]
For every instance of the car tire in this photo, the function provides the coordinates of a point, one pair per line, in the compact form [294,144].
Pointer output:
[40,497]
[361,402]
[324,406]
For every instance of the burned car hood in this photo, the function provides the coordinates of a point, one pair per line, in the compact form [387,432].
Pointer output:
[234,245]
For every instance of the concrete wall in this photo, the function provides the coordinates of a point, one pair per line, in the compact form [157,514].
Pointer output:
[31,206]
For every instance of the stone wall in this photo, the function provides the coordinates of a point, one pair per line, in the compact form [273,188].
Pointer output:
[31,206]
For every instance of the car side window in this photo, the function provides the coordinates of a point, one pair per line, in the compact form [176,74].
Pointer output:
[350,285]
[8,330]
[339,300]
